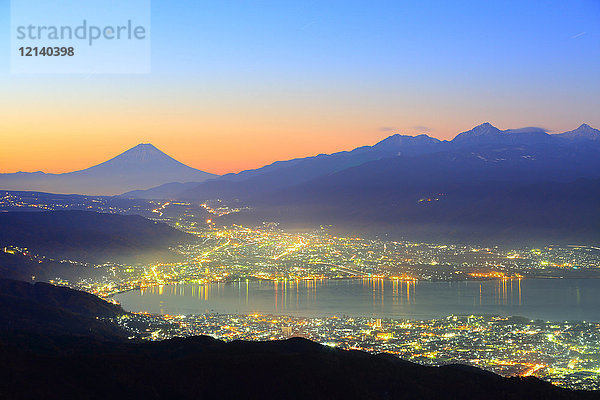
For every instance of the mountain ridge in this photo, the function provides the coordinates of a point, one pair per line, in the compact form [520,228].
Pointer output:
[584,131]
[282,174]
[91,237]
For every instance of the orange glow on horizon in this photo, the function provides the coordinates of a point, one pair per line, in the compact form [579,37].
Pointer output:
[43,141]
[215,129]
[210,156]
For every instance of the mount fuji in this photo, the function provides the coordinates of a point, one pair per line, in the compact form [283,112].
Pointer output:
[141,167]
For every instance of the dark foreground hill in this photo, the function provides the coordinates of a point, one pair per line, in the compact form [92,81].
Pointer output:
[44,309]
[90,236]
[55,343]
[205,368]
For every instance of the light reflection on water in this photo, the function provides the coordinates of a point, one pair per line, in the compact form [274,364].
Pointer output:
[549,299]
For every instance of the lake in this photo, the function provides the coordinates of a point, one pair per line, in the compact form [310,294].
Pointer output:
[547,299]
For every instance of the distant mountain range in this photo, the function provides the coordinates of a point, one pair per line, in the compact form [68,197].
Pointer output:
[141,167]
[285,174]
[521,185]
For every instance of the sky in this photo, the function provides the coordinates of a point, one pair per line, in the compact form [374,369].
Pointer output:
[239,84]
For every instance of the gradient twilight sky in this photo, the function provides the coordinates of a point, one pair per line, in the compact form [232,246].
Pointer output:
[239,84]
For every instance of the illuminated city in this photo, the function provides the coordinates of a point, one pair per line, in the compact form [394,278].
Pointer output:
[565,353]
